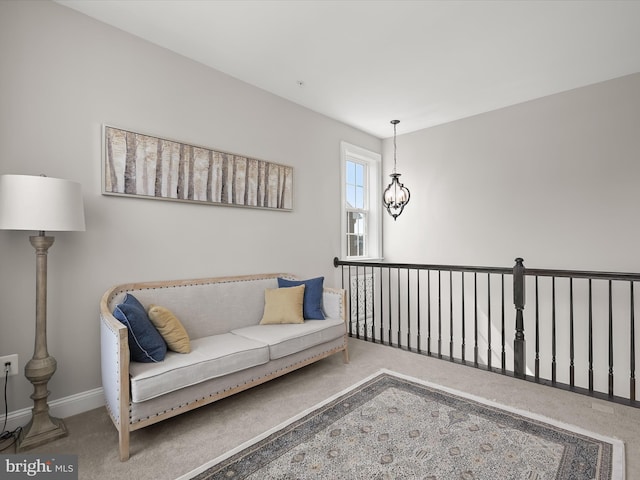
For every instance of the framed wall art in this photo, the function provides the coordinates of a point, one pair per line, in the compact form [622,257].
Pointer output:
[140,165]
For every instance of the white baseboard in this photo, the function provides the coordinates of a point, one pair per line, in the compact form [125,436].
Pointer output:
[61,408]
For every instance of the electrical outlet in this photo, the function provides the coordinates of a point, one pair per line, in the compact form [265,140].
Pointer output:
[13,361]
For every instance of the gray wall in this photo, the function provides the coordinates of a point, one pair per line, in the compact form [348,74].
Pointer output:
[554,180]
[62,76]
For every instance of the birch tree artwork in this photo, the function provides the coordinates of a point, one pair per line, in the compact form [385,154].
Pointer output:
[146,166]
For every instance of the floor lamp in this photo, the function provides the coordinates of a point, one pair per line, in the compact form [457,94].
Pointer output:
[40,203]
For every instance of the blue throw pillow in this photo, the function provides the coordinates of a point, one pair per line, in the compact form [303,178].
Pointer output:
[312,303]
[146,345]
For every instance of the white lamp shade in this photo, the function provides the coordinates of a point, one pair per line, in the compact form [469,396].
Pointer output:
[40,203]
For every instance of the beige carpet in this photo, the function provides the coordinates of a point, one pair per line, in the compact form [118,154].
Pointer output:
[172,448]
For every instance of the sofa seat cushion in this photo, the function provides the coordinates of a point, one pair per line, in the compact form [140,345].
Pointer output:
[210,357]
[287,339]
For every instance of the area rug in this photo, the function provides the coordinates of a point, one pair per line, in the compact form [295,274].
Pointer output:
[390,426]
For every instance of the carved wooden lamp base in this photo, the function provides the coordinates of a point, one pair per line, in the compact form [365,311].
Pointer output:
[42,428]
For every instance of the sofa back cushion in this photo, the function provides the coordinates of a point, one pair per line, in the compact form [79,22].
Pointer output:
[207,306]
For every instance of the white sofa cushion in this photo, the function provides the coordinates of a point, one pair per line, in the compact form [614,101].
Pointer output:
[286,339]
[210,357]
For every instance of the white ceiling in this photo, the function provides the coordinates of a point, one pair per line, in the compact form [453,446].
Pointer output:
[366,62]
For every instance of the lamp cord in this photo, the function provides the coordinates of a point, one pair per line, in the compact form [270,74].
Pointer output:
[5,433]
[6,404]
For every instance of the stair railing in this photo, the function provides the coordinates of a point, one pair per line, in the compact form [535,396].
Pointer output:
[581,323]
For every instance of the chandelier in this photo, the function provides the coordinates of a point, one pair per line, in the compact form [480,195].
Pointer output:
[396,195]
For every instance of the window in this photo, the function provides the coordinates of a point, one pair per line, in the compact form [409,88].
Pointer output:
[356,211]
[361,223]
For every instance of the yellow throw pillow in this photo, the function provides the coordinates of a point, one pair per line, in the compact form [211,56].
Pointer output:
[170,328]
[283,305]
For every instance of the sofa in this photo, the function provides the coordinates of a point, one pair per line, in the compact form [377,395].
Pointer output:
[239,335]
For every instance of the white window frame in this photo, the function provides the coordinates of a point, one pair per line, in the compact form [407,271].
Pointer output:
[373,200]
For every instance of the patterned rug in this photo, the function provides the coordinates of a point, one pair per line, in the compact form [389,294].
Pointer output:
[390,426]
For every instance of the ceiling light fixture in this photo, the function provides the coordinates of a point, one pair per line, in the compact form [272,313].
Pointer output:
[396,195]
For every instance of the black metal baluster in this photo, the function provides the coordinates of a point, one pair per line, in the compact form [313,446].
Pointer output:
[358,302]
[389,309]
[632,347]
[439,314]
[418,307]
[572,375]
[451,316]
[610,341]
[429,312]
[373,305]
[399,312]
[381,310]
[489,353]
[350,302]
[504,351]
[537,361]
[409,310]
[553,330]
[475,319]
[590,338]
[464,345]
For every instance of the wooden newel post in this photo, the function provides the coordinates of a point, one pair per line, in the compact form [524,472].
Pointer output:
[519,344]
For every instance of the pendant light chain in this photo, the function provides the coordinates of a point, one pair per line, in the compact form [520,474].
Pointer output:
[395,148]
